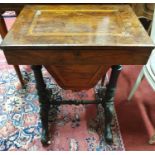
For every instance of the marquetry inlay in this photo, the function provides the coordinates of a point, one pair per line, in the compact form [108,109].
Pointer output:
[77,25]
[67,23]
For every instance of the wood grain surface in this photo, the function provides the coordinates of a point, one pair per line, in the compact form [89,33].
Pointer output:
[77,44]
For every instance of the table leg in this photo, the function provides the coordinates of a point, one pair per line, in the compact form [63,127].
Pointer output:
[109,100]
[19,74]
[3,29]
[44,102]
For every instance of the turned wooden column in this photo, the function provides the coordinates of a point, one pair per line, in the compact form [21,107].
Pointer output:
[44,102]
[109,101]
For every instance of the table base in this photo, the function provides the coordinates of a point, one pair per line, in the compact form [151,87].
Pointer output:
[105,98]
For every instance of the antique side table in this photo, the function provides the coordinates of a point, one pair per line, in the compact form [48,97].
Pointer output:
[77,44]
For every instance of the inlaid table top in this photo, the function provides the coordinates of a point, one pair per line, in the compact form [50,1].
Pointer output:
[54,26]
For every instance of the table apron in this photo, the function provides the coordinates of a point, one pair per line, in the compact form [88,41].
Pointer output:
[80,57]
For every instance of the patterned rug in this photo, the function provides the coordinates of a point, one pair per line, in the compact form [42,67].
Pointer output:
[74,128]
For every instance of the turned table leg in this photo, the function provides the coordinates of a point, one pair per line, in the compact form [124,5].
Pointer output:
[44,102]
[109,100]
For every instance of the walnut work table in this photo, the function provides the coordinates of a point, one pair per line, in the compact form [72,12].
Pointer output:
[77,44]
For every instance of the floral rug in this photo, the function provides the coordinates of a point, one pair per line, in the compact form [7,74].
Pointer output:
[74,128]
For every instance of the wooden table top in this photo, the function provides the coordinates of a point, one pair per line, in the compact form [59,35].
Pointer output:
[70,26]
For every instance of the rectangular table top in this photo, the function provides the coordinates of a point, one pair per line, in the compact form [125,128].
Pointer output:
[73,26]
